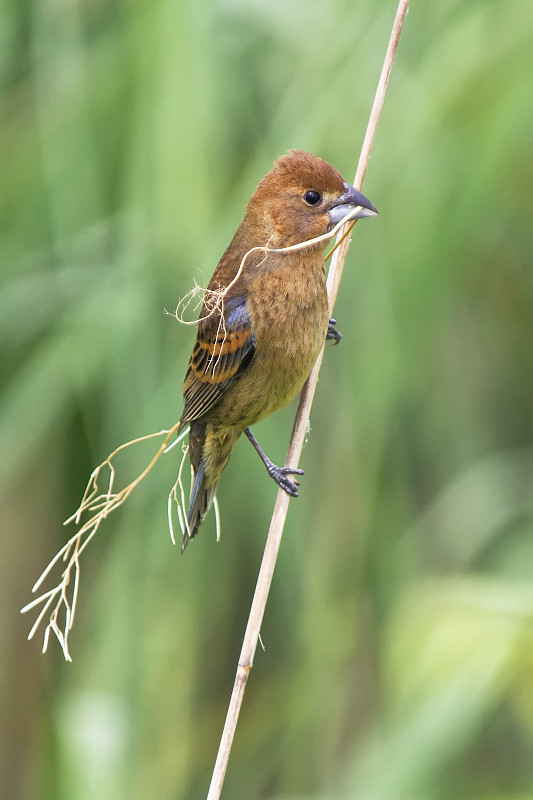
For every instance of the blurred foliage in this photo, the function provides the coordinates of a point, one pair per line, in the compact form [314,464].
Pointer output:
[399,635]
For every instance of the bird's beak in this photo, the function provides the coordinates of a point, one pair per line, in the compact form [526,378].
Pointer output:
[347,203]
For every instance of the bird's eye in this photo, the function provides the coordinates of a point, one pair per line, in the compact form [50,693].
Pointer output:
[312,198]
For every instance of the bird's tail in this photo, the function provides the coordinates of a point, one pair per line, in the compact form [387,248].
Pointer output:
[199,504]
[209,454]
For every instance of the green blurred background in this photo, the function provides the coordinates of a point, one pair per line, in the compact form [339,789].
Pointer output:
[398,635]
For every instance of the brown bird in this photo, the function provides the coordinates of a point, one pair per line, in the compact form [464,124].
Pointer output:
[264,319]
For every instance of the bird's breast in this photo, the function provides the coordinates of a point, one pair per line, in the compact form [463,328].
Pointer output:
[288,308]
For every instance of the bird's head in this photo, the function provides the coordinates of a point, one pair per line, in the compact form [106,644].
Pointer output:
[303,197]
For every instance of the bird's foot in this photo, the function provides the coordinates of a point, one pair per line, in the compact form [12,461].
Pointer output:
[333,333]
[279,474]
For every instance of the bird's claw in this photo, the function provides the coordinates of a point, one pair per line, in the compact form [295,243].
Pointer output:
[279,474]
[333,333]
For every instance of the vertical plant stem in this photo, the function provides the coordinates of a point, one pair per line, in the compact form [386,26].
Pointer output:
[257,610]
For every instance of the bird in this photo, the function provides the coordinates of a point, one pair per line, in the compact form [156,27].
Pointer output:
[264,319]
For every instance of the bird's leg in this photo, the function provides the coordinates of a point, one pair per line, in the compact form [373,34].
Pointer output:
[333,333]
[279,474]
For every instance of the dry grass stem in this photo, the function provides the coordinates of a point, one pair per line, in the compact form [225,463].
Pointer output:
[213,299]
[179,501]
[252,634]
[60,601]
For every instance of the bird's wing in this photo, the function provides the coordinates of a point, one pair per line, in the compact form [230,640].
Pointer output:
[224,347]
